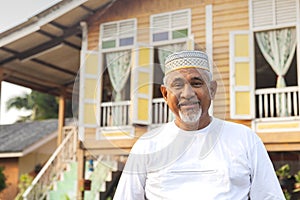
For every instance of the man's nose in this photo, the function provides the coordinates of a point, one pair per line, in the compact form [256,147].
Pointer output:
[187,92]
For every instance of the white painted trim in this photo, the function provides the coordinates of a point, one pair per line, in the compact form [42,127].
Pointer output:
[84,41]
[209,43]
[11,155]
[298,45]
[53,13]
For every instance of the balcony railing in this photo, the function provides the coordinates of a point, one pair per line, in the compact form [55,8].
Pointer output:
[115,114]
[161,113]
[56,164]
[277,102]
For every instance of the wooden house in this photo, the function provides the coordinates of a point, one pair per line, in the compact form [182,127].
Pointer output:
[253,49]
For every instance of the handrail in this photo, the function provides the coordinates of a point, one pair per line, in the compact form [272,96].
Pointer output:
[277,102]
[66,151]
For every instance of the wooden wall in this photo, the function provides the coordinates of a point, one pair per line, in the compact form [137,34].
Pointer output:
[228,15]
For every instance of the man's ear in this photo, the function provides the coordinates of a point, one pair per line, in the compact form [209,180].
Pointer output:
[213,89]
[164,92]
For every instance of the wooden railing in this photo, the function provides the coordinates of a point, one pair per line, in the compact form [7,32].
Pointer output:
[277,102]
[161,113]
[56,164]
[118,113]
[115,113]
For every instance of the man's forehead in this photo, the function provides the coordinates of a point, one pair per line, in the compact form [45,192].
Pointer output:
[188,73]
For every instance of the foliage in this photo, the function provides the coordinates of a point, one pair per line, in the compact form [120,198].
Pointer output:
[24,183]
[2,179]
[297,184]
[287,195]
[297,177]
[290,184]
[43,106]
[284,171]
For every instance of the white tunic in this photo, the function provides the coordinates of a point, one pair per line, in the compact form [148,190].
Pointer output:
[222,161]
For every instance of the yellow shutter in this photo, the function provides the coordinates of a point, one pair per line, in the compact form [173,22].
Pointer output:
[89,97]
[142,85]
[241,76]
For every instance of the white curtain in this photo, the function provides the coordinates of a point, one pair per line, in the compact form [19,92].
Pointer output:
[278,48]
[164,51]
[118,65]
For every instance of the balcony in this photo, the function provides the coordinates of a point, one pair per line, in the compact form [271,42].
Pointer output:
[277,109]
[116,115]
[160,112]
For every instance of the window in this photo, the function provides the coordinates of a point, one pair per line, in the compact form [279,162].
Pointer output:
[170,26]
[271,13]
[116,41]
[118,34]
[170,32]
[274,25]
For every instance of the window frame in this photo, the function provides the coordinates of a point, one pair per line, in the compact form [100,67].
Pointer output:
[118,37]
[169,29]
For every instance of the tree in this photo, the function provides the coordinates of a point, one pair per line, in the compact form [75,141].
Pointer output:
[2,179]
[43,106]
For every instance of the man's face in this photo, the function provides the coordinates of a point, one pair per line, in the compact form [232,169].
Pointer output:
[188,93]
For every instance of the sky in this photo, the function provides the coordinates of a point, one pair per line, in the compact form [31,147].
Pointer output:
[9,90]
[13,13]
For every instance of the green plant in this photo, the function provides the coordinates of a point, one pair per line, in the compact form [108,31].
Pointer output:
[2,179]
[24,183]
[284,171]
[287,195]
[297,183]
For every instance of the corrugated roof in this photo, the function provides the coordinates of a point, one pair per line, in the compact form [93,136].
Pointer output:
[19,136]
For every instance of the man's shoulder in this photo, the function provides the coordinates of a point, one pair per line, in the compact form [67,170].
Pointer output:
[154,137]
[234,125]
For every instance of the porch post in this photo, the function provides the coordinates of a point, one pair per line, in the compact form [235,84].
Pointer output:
[1,78]
[80,170]
[61,116]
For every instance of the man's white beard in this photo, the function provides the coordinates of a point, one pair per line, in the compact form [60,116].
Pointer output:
[190,117]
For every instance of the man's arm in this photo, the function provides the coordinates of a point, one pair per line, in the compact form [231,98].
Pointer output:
[264,182]
[132,182]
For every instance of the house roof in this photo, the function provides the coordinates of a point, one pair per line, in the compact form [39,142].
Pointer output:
[43,52]
[19,137]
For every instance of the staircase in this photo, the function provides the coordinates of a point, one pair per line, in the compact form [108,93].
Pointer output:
[52,171]
[57,180]
[110,185]
[66,187]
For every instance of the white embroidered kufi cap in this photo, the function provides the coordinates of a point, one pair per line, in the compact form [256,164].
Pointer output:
[186,59]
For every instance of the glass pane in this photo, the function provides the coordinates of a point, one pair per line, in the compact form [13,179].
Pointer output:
[108,44]
[126,41]
[160,36]
[179,33]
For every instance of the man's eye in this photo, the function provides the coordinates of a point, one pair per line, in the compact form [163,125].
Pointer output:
[177,85]
[197,84]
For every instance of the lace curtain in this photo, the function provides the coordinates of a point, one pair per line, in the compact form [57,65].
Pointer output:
[164,51]
[118,65]
[278,48]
